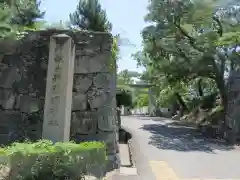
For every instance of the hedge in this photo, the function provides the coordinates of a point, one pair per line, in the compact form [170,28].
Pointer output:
[48,161]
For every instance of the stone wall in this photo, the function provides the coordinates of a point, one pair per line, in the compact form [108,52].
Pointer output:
[23,68]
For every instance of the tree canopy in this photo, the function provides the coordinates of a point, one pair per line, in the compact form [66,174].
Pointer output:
[89,15]
[19,15]
[188,49]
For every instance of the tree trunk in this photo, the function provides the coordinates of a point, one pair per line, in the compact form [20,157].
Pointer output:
[223,94]
[199,86]
[183,106]
[175,107]
[229,132]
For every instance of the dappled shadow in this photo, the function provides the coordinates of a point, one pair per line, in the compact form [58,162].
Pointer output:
[183,124]
[152,118]
[182,138]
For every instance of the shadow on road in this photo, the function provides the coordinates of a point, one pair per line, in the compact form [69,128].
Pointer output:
[182,138]
[151,118]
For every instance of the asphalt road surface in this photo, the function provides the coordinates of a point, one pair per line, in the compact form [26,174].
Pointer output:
[164,150]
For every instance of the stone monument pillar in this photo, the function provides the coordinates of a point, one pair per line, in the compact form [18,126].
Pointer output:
[58,99]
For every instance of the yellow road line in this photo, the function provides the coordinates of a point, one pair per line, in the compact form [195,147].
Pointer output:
[162,171]
[209,179]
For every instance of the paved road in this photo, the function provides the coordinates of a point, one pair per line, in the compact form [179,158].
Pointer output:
[167,151]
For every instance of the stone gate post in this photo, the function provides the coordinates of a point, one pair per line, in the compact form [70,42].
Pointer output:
[94,115]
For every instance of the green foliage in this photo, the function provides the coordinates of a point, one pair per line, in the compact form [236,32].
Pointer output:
[45,160]
[89,15]
[206,102]
[142,100]
[229,39]
[185,50]
[18,16]
[4,19]
[25,12]
[115,53]
[166,97]
[124,78]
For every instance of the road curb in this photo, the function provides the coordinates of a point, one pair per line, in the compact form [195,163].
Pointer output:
[131,153]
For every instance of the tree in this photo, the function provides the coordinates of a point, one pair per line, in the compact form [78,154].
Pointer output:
[142,100]
[89,15]
[25,12]
[168,91]
[176,43]
[17,16]
[124,77]
[189,42]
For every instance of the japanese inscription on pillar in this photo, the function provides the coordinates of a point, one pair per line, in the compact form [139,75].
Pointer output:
[55,100]
[58,99]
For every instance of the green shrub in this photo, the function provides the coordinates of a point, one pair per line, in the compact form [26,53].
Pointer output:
[45,160]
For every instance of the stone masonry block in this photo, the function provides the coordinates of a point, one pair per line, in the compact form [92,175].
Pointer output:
[7,99]
[82,83]
[84,137]
[88,35]
[98,98]
[102,80]
[107,119]
[79,101]
[110,139]
[4,139]
[87,49]
[8,46]
[8,76]
[84,123]
[93,64]
[10,118]
[93,39]
[28,104]
[10,126]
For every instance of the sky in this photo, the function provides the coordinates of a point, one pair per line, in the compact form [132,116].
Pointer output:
[125,15]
